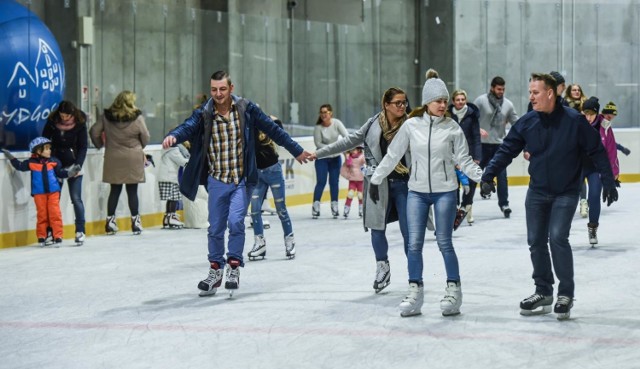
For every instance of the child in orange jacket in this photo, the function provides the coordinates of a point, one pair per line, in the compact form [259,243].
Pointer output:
[45,188]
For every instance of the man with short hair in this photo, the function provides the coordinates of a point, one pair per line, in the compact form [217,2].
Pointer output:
[222,133]
[556,137]
[496,111]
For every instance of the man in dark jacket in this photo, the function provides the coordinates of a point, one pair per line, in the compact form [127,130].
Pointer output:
[556,138]
[222,133]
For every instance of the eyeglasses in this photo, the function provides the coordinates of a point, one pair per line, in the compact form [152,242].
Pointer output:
[399,103]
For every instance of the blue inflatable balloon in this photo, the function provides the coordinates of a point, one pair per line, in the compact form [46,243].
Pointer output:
[31,78]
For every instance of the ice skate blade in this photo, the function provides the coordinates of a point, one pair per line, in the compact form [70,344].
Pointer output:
[231,293]
[564,316]
[208,293]
[451,313]
[137,233]
[266,226]
[314,217]
[79,243]
[406,314]
[381,287]
[539,311]
[291,257]
[254,258]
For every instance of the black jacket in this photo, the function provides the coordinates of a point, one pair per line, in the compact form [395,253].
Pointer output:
[470,125]
[70,147]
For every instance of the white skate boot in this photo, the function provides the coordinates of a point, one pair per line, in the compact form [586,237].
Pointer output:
[470,219]
[334,209]
[290,246]
[315,210]
[110,226]
[347,209]
[584,208]
[536,304]
[209,286]
[136,224]
[259,249]
[412,304]
[452,300]
[79,238]
[383,275]
[233,276]
[360,210]
[174,221]
[593,233]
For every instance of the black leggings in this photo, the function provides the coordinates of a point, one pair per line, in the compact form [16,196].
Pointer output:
[132,196]
[172,206]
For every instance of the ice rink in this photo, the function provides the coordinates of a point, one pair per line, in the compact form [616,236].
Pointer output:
[129,301]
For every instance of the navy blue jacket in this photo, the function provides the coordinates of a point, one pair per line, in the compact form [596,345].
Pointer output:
[556,142]
[470,125]
[197,130]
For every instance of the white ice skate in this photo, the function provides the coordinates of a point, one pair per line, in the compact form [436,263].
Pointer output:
[136,224]
[233,276]
[290,246]
[470,219]
[412,304]
[334,209]
[452,300]
[111,227]
[536,304]
[360,210]
[584,208]
[209,286]
[259,249]
[383,275]
[347,208]
[79,238]
[315,210]
[174,221]
[592,228]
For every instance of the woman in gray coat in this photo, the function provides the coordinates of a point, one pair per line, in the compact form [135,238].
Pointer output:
[123,134]
[376,135]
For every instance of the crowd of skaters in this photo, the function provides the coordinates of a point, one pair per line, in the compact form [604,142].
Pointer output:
[412,163]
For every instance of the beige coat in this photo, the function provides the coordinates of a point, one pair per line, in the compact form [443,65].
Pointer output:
[123,143]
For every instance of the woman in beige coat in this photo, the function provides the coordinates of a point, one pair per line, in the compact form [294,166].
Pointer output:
[123,134]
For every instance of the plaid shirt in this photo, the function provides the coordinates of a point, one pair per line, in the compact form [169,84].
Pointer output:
[225,149]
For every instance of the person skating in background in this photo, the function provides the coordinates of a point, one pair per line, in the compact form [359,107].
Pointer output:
[352,171]
[45,186]
[556,138]
[496,111]
[66,127]
[467,115]
[591,109]
[327,131]
[172,159]
[437,145]
[609,112]
[575,97]
[222,133]
[376,135]
[123,134]
[270,176]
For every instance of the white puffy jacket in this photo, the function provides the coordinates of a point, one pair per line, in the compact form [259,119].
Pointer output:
[437,144]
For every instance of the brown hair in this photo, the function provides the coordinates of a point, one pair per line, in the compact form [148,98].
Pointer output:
[67,107]
[549,81]
[328,107]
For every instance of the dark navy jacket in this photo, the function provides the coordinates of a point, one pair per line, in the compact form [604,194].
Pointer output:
[70,147]
[556,142]
[197,130]
[470,125]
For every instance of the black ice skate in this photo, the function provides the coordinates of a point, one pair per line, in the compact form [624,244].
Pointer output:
[593,233]
[233,276]
[536,304]
[57,242]
[506,211]
[42,242]
[136,224]
[290,246]
[383,275]
[259,250]
[209,286]
[48,241]
[110,226]
[563,307]
[460,215]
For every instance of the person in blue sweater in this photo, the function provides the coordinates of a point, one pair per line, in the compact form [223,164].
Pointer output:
[223,133]
[556,138]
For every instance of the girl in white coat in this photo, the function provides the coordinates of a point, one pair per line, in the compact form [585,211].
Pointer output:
[172,159]
[437,144]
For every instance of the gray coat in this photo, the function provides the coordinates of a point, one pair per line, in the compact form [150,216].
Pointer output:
[373,214]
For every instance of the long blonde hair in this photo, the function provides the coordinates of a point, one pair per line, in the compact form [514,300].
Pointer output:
[124,107]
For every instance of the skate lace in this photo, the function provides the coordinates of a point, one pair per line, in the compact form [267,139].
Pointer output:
[381,271]
[233,275]
[213,277]
[592,232]
[563,300]
[533,298]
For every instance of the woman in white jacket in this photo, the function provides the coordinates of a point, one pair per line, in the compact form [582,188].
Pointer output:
[437,144]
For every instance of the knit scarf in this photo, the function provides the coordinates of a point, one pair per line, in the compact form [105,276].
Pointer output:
[460,113]
[66,126]
[389,133]
[498,118]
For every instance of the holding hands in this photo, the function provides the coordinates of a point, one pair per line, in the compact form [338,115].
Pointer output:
[8,154]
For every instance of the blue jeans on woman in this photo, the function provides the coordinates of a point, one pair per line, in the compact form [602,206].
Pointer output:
[595,190]
[397,196]
[270,177]
[549,220]
[418,204]
[75,193]
[330,166]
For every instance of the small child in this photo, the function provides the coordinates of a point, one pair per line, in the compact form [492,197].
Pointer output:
[172,159]
[351,170]
[45,188]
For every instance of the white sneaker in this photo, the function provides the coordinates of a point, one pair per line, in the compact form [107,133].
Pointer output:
[290,246]
[412,304]
[259,249]
[584,208]
[452,300]
[383,275]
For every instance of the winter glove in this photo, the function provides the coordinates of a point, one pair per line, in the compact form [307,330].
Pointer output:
[618,183]
[373,193]
[7,154]
[486,187]
[466,189]
[73,170]
[609,195]
[625,151]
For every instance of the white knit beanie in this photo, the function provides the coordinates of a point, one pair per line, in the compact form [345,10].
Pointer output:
[434,89]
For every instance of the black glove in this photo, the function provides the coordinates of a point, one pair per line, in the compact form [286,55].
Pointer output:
[8,154]
[618,183]
[609,195]
[625,151]
[486,187]
[373,193]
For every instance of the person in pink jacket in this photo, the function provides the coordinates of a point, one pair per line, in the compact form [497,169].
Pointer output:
[591,109]
[351,170]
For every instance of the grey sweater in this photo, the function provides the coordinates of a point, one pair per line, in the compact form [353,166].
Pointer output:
[496,133]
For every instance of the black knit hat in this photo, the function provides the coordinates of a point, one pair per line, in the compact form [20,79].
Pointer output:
[610,108]
[591,104]
[558,77]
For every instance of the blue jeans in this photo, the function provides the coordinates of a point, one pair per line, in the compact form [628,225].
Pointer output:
[418,204]
[228,203]
[488,150]
[75,193]
[330,166]
[548,225]
[595,190]
[398,197]
[270,177]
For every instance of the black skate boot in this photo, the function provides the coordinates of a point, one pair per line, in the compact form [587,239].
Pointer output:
[165,221]
[563,307]
[259,249]
[48,241]
[209,286]
[593,233]
[41,242]
[233,276]
[334,209]
[136,224]
[383,275]
[506,211]
[460,215]
[536,304]
[290,246]
[57,242]
[110,227]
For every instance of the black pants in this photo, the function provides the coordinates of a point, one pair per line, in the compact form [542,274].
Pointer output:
[132,196]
